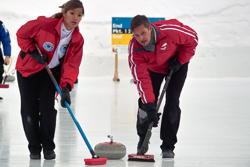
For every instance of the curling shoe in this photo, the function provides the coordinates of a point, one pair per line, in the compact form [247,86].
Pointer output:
[49,154]
[35,156]
[167,153]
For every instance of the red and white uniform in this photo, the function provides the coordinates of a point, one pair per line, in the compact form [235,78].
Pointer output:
[169,35]
[46,32]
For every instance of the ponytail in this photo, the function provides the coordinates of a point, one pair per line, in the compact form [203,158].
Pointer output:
[57,15]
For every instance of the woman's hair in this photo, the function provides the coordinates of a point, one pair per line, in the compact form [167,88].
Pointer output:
[139,20]
[71,4]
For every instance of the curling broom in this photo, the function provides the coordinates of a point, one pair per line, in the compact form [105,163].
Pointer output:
[95,159]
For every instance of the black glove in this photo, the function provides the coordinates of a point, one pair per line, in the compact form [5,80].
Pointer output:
[65,96]
[153,116]
[40,59]
[173,65]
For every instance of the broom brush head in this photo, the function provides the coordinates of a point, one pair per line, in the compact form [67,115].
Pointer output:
[95,161]
[142,158]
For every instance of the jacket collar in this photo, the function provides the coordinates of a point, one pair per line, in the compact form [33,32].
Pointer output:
[74,34]
[58,26]
[159,34]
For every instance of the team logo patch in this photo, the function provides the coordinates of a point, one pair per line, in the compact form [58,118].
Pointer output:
[164,46]
[63,48]
[48,46]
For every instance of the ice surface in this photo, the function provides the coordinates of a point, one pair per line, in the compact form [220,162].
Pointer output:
[214,129]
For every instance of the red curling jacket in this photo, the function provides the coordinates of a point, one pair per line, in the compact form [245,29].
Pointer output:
[169,35]
[46,33]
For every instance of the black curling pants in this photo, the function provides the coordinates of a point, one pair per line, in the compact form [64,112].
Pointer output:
[172,112]
[37,109]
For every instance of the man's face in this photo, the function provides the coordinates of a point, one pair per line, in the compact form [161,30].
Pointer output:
[142,34]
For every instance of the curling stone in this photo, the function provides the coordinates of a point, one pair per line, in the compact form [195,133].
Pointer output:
[110,150]
[10,78]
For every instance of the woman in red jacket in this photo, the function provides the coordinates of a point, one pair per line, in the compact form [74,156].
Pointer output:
[61,43]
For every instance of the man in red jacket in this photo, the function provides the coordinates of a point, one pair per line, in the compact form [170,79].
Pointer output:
[151,56]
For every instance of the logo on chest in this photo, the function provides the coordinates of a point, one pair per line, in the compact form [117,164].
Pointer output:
[63,48]
[164,46]
[48,46]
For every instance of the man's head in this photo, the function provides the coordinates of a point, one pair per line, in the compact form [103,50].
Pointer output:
[141,28]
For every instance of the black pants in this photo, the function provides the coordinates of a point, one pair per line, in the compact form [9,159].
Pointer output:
[172,112]
[37,109]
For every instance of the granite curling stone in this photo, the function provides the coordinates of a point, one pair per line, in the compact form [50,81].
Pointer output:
[110,150]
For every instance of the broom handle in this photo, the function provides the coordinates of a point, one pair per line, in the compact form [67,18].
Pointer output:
[167,81]
[67,105]
[164,90]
